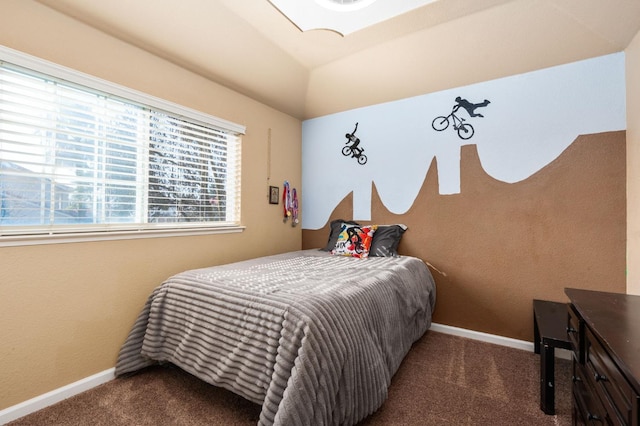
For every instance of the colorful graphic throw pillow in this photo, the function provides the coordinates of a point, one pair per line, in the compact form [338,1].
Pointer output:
[354,241]
[334,230]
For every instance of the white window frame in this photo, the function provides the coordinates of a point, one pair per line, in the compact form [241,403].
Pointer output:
[126,231]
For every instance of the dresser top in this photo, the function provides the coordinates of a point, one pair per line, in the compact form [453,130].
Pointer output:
[615,319]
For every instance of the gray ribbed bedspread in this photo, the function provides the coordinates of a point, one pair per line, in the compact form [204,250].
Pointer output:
[313,338]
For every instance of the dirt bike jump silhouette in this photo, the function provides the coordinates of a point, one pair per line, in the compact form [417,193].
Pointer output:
[465,130]
[354,150]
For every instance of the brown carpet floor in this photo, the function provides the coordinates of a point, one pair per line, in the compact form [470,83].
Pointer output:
[444,380]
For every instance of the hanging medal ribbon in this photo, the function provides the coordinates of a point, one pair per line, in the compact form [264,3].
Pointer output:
[286,201]
[290,204]
[294,207]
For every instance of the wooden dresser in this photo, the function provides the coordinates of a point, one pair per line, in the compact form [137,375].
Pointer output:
[604,331]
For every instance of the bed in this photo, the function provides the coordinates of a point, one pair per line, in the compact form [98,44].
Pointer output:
[312,337]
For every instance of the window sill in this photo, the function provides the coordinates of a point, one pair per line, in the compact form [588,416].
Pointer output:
[29,240]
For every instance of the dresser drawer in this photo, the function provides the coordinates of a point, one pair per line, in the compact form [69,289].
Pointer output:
[574,331]
[616,394]
[588,408]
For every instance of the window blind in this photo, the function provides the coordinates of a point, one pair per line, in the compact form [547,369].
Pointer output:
[76,159]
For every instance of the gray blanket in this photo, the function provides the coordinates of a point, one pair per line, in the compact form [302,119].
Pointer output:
[313,338]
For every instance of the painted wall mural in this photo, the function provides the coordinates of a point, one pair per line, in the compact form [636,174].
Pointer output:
[519,125]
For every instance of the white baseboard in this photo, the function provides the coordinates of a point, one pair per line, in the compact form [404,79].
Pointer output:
[57,395]
[493,338]
[32,405]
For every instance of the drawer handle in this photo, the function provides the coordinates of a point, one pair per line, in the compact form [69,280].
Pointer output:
[593,417]
[571,330]
[575,379]
[600,377]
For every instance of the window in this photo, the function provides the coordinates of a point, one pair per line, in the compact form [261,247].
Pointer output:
[80,155]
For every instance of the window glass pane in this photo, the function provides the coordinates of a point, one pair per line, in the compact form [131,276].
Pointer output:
[187,172]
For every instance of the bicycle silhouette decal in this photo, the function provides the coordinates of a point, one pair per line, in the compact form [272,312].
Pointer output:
[465,130]
[354,149]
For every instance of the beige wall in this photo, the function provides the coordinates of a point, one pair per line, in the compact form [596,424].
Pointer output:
[65,309]
[633,171]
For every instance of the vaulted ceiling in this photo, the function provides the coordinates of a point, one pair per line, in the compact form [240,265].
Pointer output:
[251,47]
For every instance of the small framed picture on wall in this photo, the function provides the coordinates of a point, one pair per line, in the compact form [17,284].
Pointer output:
[274,195]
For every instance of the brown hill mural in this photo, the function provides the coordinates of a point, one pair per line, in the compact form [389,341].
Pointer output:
[502,245]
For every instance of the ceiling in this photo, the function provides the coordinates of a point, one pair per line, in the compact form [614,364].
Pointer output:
[251,47]
[344,16]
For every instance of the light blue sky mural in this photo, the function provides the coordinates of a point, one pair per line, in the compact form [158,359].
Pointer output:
[529,121]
